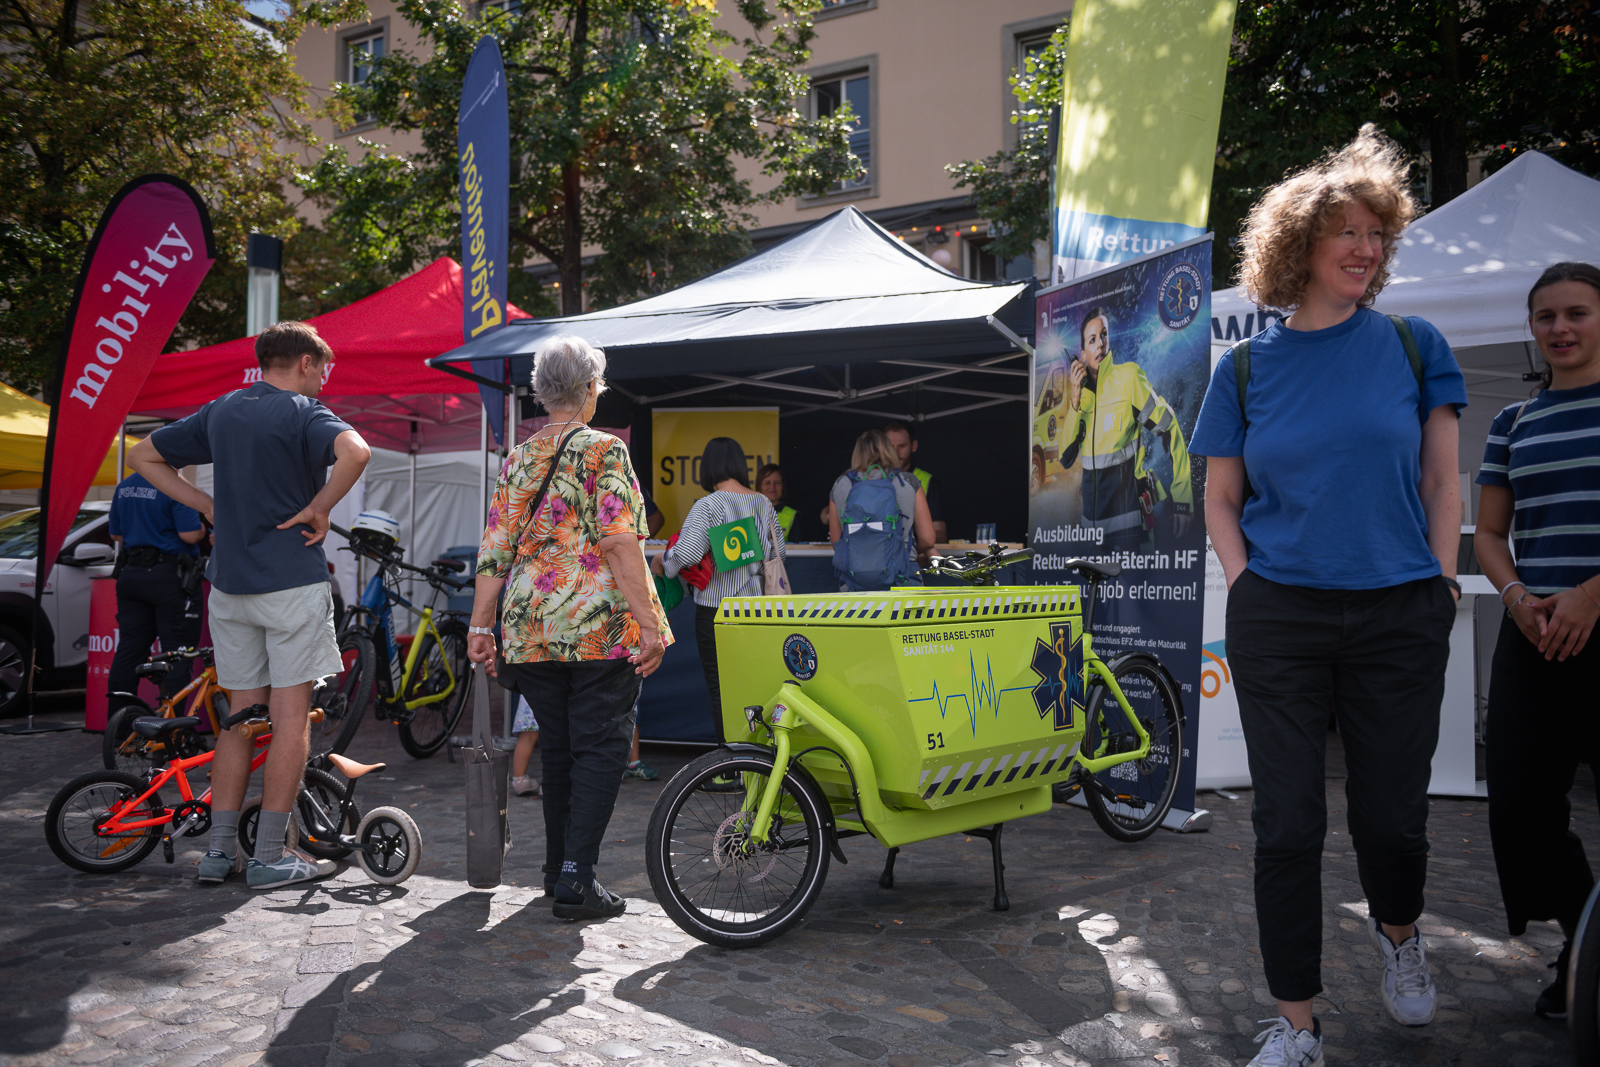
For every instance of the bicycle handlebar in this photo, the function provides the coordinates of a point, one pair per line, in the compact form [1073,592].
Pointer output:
[432,574]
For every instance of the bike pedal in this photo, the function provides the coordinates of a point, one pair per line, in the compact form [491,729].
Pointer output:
[167,852]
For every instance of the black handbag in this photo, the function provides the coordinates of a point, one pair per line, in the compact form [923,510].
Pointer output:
[488,781]
[501,674]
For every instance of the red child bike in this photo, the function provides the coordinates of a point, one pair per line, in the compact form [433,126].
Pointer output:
[107,821]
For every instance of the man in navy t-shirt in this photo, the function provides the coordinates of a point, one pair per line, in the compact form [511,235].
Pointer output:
[271,609]
[157,533]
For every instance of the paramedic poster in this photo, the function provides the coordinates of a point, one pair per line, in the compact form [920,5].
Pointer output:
[1121,363]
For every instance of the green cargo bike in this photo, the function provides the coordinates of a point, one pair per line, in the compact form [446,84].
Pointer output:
[905,715]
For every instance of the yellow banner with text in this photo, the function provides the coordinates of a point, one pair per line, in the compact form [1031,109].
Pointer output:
[678,436]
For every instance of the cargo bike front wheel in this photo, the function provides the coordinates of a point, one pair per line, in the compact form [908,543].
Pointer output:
[711,875]
[1130,800]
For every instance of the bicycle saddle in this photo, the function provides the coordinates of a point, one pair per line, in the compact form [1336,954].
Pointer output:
[155,670]
[1087,567]
[155,728]
[351,769]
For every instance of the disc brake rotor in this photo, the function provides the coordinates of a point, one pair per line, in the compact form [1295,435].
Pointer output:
[734,851]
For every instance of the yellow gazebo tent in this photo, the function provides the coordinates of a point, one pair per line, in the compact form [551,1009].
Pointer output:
[24,427]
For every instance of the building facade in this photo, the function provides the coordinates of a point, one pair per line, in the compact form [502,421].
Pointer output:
[926,81]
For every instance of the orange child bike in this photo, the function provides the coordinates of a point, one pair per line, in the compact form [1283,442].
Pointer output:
[123,750]
[106,821]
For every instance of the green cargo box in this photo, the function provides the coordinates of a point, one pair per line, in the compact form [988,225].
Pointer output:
[961,697]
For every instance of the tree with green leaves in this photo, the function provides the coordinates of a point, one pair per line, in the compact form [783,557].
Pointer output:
[1448,79]
[98,92]
[1012,187]
[630,120]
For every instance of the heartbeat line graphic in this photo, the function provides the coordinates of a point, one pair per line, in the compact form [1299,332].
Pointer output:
[979,693]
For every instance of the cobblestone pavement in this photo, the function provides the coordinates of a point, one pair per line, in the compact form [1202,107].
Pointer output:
[1110,953]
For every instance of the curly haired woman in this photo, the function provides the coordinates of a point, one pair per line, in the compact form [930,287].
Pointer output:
[1333,606]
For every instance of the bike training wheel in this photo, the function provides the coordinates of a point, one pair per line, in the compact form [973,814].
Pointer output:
[86,802]
[250,820]
[119,749]
[710,878]
[1583,985]
[431,725]
[346,701]
[398,845]
[1143,789]
[318,804]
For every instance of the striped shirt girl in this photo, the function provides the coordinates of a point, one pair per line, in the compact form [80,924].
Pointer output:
[1549,457]
[693,543]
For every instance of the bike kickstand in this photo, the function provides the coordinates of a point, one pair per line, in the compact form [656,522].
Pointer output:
[1001,901]
[886,879]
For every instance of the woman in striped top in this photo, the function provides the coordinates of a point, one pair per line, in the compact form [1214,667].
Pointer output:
[724,475]
[1541,492]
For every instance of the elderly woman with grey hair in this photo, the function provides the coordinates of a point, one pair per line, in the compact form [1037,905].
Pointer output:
[581,625]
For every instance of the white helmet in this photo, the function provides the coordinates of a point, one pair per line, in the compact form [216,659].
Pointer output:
[377,531]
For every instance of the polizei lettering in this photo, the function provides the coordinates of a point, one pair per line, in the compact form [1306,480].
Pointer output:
[119,328]
[480,268]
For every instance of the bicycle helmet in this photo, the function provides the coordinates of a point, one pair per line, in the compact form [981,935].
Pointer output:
[376,532]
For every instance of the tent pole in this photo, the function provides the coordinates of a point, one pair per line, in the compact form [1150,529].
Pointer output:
[411,523]
[122,451]
[483,458]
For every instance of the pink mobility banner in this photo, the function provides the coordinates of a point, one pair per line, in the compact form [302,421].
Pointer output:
[148,256]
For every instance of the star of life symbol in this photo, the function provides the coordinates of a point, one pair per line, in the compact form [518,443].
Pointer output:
[1059,665]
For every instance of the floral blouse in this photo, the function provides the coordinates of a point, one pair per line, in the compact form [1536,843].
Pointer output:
[561,599]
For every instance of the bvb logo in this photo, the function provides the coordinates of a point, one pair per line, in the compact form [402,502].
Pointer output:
[735,543]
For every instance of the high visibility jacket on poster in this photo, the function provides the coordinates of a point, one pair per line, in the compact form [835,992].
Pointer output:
[1110,419]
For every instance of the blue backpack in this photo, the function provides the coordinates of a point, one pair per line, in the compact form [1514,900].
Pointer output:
[874,546]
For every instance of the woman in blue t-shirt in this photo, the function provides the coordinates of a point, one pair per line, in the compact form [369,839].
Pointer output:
[1541,489]
[1339,546]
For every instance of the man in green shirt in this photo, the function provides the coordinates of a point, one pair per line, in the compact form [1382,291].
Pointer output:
[904,439]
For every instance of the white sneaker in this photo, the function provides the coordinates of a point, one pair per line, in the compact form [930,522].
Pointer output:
[1284,1046]
[1408,990]
[293,867]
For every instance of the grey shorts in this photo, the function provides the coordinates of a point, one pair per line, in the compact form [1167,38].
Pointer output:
[278,639]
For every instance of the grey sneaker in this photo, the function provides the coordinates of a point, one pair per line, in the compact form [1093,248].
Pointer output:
[1284,1046]
[524,785]
[1408,990]
[293,867]
[215,867]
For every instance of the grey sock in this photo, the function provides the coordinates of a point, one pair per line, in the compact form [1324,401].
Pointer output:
[271,832]
[225,833]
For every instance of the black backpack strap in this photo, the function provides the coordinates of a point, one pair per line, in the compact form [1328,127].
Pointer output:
[1241,375]
[1403,328]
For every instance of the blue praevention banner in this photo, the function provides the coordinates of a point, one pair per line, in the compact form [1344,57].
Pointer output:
[1121,363]
[483,144]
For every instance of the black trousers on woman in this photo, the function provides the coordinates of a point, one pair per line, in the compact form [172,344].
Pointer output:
[705,638]
[1377,658]
[586,716]
[1544,719]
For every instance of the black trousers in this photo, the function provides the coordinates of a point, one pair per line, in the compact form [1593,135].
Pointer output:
[1377,658]
[705,638]
[150,604]
[1544,719]
[586,715]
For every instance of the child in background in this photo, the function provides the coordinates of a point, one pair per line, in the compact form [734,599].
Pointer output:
[526,728]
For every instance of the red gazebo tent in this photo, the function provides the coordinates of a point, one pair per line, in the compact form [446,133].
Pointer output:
[378,380]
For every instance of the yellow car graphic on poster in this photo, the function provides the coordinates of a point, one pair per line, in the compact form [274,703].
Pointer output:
[1049,423]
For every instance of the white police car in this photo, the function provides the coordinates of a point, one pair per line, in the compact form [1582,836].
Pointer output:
[63,625]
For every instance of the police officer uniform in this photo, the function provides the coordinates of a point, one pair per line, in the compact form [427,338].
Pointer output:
[151,601]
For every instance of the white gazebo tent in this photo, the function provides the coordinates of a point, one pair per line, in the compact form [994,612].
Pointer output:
[1466,268]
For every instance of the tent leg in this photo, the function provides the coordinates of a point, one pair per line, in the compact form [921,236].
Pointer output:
[411,522]
[483,452]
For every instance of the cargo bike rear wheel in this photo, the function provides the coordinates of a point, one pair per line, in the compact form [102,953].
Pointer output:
[712,878]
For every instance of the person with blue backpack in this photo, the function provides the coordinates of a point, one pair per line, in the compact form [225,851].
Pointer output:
[878,519]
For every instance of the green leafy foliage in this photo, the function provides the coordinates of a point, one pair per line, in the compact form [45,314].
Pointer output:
[629,124]
[1449,80]
[98,92]
[1012,188]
